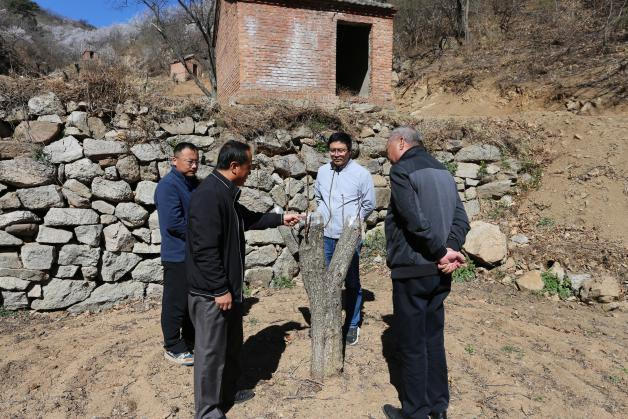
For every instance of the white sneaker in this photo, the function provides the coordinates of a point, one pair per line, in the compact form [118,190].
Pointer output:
[184,358]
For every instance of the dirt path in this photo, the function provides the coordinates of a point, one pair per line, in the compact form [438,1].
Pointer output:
[510,355]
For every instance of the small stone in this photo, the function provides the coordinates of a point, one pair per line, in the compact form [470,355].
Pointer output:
[114,191]
[66,271]
[479,153]
[149,172]
[57,217]
[10,200]
[145,192]
[18,217]
[486,243]
[79,254]
[146,249]
[128,169]
[118,238]
[285,266]
[10,260]
[604,289]
[131,214]
[259,277]
[89,234]
[261,256]
[83,170]
[530,281]
[519,239]
[66,150]
[472,208]
[256,200]
[41,197]
[180,126]
[263,237]
[289,166]
[148,152]
[14,300]
[467,170]
[96,127]
[53,235]
[557,270]
[144,234]
[37,132]
[578,280]
[111,173]
[495,189]
[13,284]
[382,198]
[149,270]
[116,265]
[99,149]
[35,292]
[46,104]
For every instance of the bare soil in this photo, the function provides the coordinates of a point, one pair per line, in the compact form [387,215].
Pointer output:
[510,355]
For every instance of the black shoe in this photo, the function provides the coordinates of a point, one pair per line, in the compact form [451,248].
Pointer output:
[441,415]
[391,412]
[243,396]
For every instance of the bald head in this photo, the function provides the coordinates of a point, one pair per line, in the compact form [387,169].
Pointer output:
[401,140]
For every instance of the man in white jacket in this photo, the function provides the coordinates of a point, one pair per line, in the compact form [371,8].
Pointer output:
[344,190]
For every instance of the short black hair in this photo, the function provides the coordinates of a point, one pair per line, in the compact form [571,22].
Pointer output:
[232,151]
[342,137]
[182,146]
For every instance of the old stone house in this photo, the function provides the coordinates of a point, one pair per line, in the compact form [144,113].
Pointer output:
[305,49]
[178,72]
[89,55]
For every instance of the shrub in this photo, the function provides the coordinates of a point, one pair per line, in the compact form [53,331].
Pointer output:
[554,286]
[465,273]
[375,244]
[282,282]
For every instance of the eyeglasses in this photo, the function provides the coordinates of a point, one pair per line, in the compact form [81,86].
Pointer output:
[338,151]
[190,162]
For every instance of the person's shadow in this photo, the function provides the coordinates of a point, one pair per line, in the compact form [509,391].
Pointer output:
[389,351]
[261,353]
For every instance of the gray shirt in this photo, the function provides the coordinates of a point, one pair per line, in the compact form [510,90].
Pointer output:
[343,194]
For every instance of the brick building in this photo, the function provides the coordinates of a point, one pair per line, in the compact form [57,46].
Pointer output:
[305,49]
[178,72]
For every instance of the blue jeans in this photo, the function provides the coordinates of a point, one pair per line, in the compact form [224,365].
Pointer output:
[353,293]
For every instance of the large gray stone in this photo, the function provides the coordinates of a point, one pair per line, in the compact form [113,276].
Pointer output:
[83,170]
[14,300]
[99,149]
[103,207]
[118,238]
[110,190]
[66,150]
[382,198]
[116,265]
[285,265]
[263,237]
[259,277]
[467,170]
[373,147]
[66,271]
[262,256]
[24,172]
[131,214]
[256,200]
[179,126]
[260,179]
[312,159]
[289,166]
[200,141]
[149,172]
[57,217]
[10,260]
[37,132]
[145,192]
[108,295]
[23,231]
[96,127]
[143,234]
[479,153]
[77,194]
[18,217]
[89,234]
[53,235]
[146,249]
[37,256]
[79,254]
[495,189]
[278,194]
[41,197]
[293,186]
[10,283]
[25,274]
[603,289]
[274,144]
[299,203]
[486,243]
[46,104]
[62,293]
[147,152]
[8,240]
[128,169]
[148,270]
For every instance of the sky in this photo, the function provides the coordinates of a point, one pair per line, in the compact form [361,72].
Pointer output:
[97,12]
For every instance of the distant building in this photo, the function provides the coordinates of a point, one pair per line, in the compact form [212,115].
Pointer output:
[305,49]
[89,55]
[178,72]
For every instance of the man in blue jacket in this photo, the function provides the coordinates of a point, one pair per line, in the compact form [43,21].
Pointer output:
[426,226]
[344,190]
[172,198]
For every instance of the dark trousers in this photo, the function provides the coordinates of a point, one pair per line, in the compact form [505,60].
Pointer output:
[217,346]
[419,322]
[175,319]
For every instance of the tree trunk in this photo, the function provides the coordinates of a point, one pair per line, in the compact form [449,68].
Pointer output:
[323,288]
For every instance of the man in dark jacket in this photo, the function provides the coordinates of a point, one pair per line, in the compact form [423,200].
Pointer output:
[172,198]
[426,226]
[215,265]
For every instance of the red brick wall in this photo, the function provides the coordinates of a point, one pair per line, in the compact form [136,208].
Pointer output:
[227,51]
[291,53]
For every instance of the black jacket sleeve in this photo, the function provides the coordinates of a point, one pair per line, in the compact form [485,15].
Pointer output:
[259,220]
[206,239]
[459,228]
[408,208]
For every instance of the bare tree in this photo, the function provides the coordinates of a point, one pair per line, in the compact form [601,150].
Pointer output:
[200,13]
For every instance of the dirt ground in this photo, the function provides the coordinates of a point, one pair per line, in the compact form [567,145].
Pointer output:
[510,355]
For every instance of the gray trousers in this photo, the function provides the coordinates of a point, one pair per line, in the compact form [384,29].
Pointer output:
[217,345]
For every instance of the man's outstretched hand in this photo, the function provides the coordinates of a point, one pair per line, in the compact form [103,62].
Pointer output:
[451,261]
[292,219]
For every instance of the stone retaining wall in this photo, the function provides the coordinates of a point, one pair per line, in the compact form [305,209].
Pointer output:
[78,225]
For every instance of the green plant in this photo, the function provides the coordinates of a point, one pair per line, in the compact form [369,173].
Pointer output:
[282,282]
[246,290]
[546,222]
[253,321]
[469,349]
[511,349]
[535,171]
[552,285]
[465,273]
[614,379]
[451,166]
[374,244]
[482,171]
[7,313]
[320,146]
[40,155]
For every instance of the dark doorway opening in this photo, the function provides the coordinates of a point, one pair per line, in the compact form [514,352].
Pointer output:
[353,66]
[195,69]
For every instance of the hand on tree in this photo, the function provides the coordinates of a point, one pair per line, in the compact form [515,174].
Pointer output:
[224,301]
[292,219]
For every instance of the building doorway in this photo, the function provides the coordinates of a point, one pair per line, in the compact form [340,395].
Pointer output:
[353,64]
